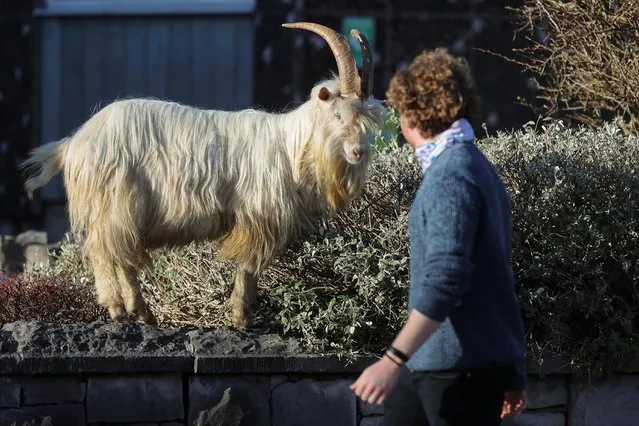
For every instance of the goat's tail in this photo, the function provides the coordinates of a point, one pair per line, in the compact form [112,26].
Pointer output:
[49,159]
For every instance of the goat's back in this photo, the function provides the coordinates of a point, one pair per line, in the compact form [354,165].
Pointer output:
[154,173]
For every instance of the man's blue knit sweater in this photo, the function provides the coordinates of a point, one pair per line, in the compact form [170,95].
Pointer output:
[460,246]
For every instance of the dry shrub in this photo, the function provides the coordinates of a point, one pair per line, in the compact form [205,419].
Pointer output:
[52,299]
[584,55]
[187,286]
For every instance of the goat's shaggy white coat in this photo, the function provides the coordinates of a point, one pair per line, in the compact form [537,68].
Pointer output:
[144,173]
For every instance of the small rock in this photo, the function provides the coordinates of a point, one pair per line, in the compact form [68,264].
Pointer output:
[240,401]
[223,414]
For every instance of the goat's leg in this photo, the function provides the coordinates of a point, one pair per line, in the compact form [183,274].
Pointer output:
[243,297]
[108,289]
[132,296]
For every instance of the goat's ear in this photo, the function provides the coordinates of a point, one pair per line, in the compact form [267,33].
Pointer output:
[324,94]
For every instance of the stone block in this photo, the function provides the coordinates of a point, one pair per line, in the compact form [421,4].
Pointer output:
[31,347]
[229,401]
[61,415]
[36,257]
[34,244]
[230,351]
[536,419]
[370,409]
[610,402]
[547,392]
[53,390]
[372,421]
[277,380]
[9,393]
[32,237]
[314,403]
[137,399]
[97,347]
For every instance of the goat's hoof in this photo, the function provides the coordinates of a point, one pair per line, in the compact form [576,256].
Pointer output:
[118,315]
[242,323]
[142,315]
[148,319]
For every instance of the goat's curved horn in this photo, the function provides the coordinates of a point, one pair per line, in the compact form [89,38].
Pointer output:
[366,89]
[348,77]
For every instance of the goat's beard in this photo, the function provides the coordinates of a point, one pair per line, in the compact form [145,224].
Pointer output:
[326,171]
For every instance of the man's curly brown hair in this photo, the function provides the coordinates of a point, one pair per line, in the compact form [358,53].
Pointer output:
[435,90]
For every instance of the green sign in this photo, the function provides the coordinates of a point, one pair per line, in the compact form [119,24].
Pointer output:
[367,26]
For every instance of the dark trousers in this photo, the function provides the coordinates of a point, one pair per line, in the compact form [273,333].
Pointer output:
[461,398]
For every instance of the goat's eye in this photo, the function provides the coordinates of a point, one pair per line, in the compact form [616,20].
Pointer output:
[337,114]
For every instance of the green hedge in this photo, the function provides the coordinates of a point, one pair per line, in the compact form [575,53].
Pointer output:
[575,196]
[576,216]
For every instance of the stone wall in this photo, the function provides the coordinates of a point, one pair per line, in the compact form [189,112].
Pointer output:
[109,374]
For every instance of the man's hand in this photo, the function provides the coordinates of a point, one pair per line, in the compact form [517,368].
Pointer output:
[377,381]
[514,402]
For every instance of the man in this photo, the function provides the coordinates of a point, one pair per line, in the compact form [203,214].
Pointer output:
[459,358]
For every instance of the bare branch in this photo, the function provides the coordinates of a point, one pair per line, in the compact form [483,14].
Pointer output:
[583,55]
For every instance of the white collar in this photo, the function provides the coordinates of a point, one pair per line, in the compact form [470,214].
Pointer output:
[459,131]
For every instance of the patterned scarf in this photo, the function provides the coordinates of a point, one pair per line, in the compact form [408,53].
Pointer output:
[459,131]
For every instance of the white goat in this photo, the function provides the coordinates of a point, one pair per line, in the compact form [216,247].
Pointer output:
[143,173]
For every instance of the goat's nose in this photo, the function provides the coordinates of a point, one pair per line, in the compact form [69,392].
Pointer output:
[357,152]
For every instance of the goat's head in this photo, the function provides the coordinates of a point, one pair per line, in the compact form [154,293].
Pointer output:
[343,116]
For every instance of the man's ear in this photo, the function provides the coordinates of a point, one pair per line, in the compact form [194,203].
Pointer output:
[324,94]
